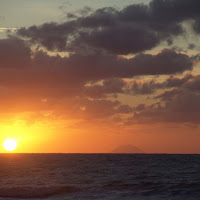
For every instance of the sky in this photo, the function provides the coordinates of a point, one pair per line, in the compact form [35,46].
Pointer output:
[88,76]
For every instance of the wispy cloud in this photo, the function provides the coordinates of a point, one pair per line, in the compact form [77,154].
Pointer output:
[8,29]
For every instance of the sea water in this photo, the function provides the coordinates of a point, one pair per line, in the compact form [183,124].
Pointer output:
[99,176]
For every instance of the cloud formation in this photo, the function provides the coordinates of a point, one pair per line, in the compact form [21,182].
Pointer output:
[134,29]
[45,70]
[87,80]
[178,105]
[14,53]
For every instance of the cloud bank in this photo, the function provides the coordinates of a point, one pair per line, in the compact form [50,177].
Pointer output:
[107,53]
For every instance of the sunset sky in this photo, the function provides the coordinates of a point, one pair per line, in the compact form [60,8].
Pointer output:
[88,76]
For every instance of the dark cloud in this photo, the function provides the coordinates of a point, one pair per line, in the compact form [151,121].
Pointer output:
[179,105]
[109,86]
[102,108]
[121,39]
[98,66]
[197,26]
[41,75]
[82,12]
[185,102]
[175,9]
[145,88]
[140,107]
[167,96]
[138,87]
[37,81]
[172,62]
[134,29]
[118,86]
[191,46]
[108,67]
[85,11]
[189,81]
[173,81]
[71,16]
[86,83]
[125,109]
[14,53]
[50,35]
[193,84]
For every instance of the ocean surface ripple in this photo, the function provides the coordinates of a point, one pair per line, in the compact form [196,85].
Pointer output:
[99,176]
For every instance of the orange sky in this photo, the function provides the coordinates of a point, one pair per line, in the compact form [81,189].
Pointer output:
[51,137]
[88,78]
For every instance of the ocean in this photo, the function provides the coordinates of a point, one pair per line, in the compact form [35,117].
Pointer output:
[99,176]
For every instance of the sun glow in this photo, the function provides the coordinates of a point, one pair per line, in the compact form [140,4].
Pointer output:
[10,144]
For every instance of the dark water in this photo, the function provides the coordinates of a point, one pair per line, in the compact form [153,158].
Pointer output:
[99,176]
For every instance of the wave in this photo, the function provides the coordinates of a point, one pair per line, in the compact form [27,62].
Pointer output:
[25,192]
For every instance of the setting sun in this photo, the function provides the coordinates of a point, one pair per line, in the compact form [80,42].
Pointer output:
[10,144]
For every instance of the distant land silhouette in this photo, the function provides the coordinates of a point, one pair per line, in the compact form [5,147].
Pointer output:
[127,149]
